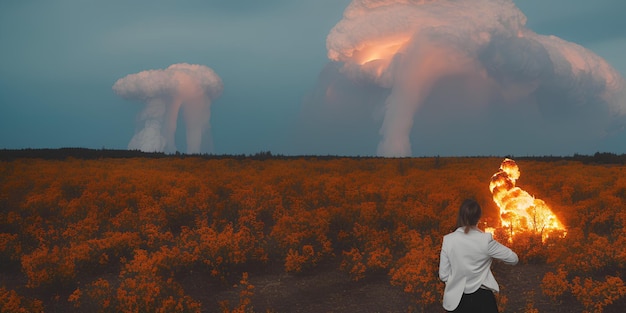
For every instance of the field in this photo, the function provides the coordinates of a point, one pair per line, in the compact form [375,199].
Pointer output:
[298,234]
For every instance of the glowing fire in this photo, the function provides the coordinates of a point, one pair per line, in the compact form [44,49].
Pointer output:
[519,211]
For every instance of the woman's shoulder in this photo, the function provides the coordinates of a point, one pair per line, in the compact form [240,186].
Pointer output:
[473,232]
[458,230]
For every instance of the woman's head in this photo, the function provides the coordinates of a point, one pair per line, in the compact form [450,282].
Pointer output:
[469,214]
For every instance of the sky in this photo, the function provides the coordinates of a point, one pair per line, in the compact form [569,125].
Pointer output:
[60,59]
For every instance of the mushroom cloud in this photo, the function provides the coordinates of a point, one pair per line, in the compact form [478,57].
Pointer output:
[190,87]
[461,75]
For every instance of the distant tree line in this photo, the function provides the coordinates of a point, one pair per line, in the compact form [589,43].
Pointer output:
[91,154]
[596,158]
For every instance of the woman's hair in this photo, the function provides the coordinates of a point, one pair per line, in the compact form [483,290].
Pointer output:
[469,214]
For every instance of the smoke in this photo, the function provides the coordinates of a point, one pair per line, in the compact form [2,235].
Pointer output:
[191,87]
[467,76]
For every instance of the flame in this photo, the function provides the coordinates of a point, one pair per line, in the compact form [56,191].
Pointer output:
[519,211]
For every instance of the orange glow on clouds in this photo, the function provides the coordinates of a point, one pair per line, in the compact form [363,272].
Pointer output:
[519,211]
[373,56]
[384,50]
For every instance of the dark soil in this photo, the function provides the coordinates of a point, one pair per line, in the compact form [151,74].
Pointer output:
[326,289]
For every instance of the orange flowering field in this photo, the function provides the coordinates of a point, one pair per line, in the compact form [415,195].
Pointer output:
[139,234]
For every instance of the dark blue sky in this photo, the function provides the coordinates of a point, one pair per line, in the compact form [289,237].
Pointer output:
[60,58]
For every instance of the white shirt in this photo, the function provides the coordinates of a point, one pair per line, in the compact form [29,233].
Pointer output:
[465,263]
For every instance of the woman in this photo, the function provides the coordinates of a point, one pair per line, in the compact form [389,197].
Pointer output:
[465,264]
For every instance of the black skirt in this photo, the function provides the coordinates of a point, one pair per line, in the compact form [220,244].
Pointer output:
[480,301]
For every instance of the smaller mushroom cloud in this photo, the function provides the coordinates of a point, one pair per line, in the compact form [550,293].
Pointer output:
[191,87]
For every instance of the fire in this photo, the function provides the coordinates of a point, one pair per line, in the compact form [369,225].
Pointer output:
[519,211]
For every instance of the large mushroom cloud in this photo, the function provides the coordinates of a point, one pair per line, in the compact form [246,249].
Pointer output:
[458,75]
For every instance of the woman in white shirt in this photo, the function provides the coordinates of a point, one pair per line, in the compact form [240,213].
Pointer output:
[465,264]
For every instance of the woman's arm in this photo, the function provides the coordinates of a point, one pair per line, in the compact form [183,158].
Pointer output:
[444,263]
[501,252]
